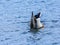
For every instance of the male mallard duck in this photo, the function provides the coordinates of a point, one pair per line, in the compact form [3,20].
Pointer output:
[35,21]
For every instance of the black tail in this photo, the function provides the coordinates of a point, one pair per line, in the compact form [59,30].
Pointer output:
[39,14]
[32,13]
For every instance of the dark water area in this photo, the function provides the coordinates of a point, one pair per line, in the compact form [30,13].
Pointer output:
[15,18]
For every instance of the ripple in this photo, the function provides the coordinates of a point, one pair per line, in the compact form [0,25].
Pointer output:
[29,39]
[2,40]
[34,30]
[55,21]
[24,22]
[24,32]
[7,0]
[43,1]
[45,21]
[32,39]
[50,4]
[9,20]
[17,30]
[19,1]
[7,38]
[49,33]
[18,17]
[55,43]
[18,22]
[51,26]
[38,38]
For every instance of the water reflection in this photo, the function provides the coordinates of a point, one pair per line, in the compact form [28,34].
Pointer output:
[34,30]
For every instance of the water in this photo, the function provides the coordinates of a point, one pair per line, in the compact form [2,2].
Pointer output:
[15,18]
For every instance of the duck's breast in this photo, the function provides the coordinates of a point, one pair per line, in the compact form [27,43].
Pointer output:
[39,24]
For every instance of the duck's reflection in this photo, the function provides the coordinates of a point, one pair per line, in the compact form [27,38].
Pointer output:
[34,30]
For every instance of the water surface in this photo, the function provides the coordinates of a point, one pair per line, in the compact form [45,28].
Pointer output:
[15,18]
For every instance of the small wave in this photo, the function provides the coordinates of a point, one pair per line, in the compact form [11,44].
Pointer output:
[24,22]
[55,21]
[2,40]
[7,0]
[17,30]
[49,33]
[51,26]
[55,43]
[9,20]
[18,22]
[24,32]
[43,1]
[7,38]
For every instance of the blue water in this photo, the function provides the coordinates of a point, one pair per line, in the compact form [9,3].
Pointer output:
[15,18]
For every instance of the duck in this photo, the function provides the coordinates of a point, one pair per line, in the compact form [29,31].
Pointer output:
[35,22]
